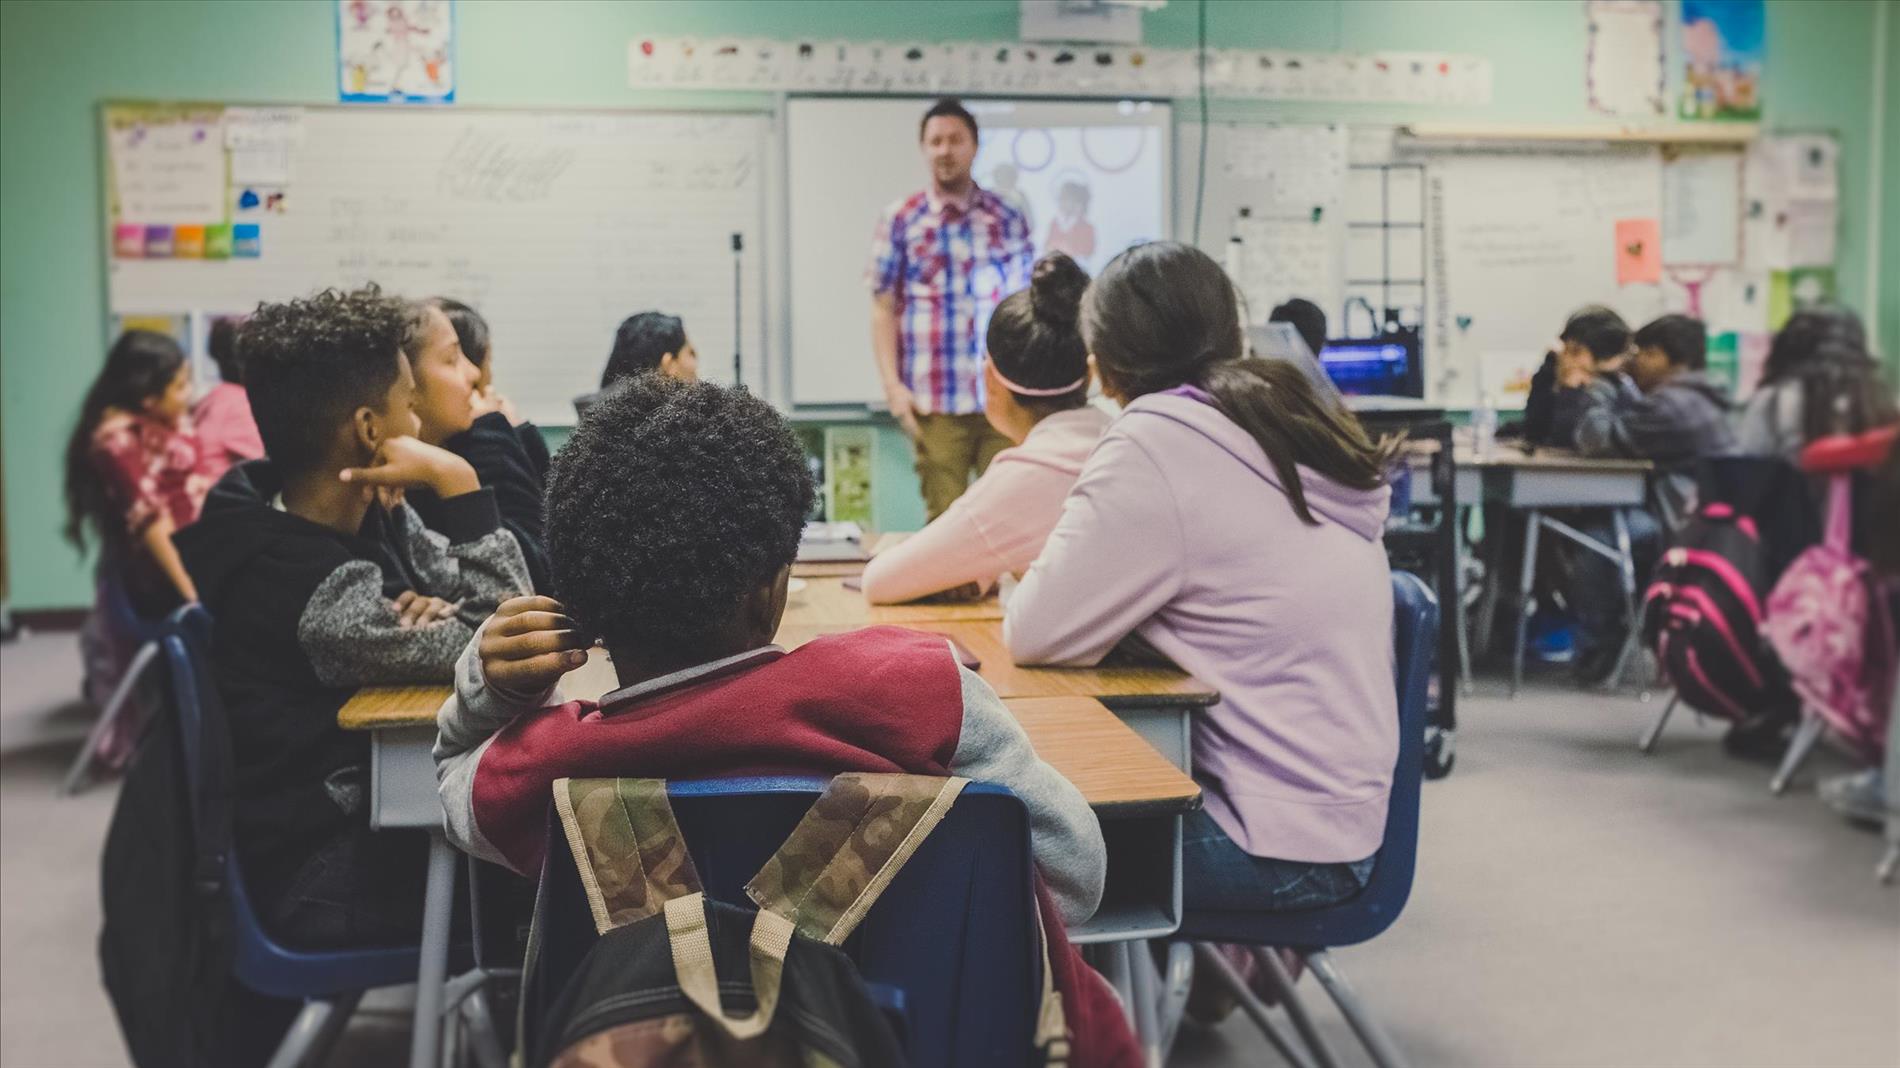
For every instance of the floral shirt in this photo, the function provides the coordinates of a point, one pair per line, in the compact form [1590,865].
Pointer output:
[151,469]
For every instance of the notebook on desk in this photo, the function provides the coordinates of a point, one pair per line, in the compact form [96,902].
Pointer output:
[830,543]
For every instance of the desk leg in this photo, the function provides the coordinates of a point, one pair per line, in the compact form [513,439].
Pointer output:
[1626,572]
[1527,580]
[425,1042]
[1461,552]
[1144,986]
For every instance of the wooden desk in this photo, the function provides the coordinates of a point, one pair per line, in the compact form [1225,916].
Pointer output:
[826,601]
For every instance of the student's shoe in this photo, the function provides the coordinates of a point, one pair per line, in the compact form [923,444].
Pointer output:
[1860,797]
[1593,668]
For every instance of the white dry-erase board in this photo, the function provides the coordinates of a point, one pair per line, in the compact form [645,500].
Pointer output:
[1095,174]
[554,224]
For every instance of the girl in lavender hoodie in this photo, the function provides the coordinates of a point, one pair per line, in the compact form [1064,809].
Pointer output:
[1037,374]
[1231,519]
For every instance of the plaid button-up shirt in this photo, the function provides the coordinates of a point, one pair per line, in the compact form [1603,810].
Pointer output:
[949,265]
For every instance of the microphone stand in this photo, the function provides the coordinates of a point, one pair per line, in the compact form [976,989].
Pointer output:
[738,249]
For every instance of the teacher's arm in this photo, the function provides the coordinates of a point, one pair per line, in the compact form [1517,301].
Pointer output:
[884,349]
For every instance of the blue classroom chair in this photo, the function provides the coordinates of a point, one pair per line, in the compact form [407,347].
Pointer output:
[949,951]
[328,982]
[1313,933]
[115,601]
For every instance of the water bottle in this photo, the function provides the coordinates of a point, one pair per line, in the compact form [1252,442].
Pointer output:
[1484,428]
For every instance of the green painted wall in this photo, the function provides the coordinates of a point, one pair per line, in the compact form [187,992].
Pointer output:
[1889,310]
[59,59]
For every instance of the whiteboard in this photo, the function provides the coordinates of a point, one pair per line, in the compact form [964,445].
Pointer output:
[849,158]
[556,225]
[1518,242]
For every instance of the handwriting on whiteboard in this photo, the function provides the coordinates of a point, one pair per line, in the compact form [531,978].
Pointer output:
[484,167]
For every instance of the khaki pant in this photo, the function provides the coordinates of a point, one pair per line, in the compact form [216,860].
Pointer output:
[950,449]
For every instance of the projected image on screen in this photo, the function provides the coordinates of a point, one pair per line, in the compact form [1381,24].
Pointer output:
[1089,191]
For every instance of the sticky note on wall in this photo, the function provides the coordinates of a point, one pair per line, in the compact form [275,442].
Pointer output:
[158,242]
[188,242]
[245,243]
[128,241]
[218,241]
[1638,251]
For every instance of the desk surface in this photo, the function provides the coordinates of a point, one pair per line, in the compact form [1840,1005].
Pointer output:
[826,601]
[375,707]
[1510,455]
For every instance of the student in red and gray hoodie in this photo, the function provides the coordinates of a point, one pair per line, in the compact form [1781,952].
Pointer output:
[673,515]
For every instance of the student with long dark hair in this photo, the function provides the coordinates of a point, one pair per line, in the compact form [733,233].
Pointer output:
[1038,390]
[134,475]
[472,421]
[1782,414]
[1231,519]
[650,341]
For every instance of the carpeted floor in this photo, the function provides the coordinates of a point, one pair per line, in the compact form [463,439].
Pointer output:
[1577,904]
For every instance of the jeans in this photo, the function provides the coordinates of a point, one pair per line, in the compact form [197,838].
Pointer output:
[1596,589]
[1218,874]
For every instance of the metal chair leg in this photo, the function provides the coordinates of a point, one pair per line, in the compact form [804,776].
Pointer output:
[1626,574]
[1208,957]
[313,1032]
[1460,613]
[484,1040]
[1527,580]
[79,776]
[1648,744]
[1144,984]
[1378,1044]
[1295,1008]
[1804,739]
[1177,979]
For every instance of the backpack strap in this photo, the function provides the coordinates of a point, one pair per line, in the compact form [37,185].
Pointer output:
[848,848]
[627,847]
[691,942]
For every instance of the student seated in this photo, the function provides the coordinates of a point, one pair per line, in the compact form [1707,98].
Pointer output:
[1232,520]
[674,513]
[318,588]
[226,431]
[1594,340]
[1038,397]
[649,341]
[1817,380]
[1308,320]
[458,416]
[1663,408]
[135,473]
[471,331]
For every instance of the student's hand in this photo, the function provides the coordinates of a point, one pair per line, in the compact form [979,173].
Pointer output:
[408,463]
[528,644]
[493,400]
[416,610]
[1574,372]
[903,407]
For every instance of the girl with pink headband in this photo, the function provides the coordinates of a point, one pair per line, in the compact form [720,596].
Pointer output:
[1037,387]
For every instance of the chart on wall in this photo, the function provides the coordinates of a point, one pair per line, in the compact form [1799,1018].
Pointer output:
[1092,178]
[555,225]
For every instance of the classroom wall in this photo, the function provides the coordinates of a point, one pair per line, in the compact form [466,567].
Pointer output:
[59,59]
[1889,310]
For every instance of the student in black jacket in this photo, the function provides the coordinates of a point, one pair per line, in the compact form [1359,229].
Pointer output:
[1594,337]
[458,415]
[320,581]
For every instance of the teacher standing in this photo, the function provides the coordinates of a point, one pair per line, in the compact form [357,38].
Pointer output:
[941,261]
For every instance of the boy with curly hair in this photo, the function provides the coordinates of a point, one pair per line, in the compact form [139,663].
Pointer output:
[673,516]
[321,580]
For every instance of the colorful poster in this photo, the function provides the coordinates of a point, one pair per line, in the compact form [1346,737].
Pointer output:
[1638,251]
[395,51]
[849,457]
[1722,47]
[167,165]
[1623,70]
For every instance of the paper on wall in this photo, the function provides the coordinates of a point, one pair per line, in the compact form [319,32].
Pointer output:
[1702,208]
[1277,259]
[1289,169]
[1638,251]
[1812,230]
[1623,70]
[168,168]
[1728,299]
[1808,164]
[260,141]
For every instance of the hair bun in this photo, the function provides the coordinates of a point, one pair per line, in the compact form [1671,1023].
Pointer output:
[1055,290]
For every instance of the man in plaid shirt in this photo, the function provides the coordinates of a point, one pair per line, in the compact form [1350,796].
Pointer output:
[941,261]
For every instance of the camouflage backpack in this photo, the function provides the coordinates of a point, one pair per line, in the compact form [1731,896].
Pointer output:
[673,977]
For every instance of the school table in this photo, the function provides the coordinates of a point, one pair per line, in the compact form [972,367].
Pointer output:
[1534,482]
[826,600]
[1139,791]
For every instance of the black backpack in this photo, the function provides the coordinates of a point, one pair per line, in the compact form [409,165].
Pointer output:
[1702,618]
[165,948]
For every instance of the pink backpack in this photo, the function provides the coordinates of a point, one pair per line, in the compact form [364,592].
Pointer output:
[1828,622]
